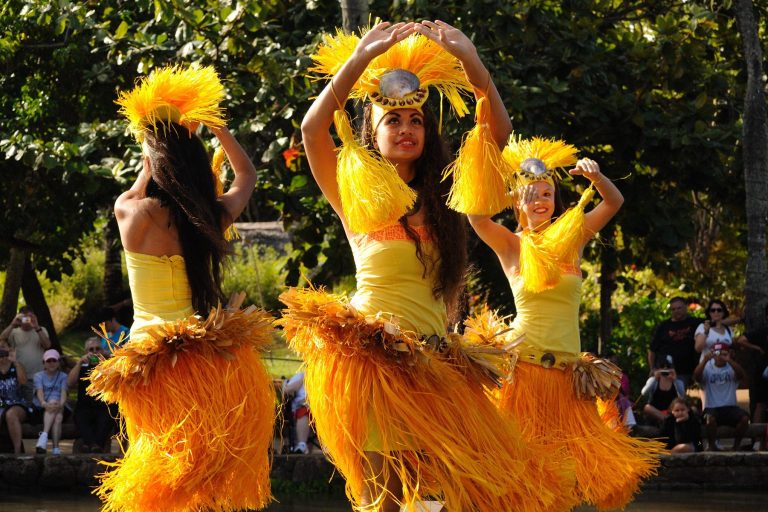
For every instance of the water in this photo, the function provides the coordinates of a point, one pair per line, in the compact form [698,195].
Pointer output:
[651,501]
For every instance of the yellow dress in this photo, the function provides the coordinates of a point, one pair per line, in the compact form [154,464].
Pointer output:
[375,385]
[197,401]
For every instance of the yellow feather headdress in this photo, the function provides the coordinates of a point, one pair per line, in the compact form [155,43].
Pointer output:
[184,95]
[537,158]
[372,194]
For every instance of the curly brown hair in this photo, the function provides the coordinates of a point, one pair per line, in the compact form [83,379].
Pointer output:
[447,227]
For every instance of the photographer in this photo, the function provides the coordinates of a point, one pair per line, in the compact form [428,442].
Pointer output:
[661,389]
[92,416]
[30,341]
[14,410]
[720,376]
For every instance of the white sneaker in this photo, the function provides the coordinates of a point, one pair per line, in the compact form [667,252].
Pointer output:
[56,451]
[302,448]
[42,442]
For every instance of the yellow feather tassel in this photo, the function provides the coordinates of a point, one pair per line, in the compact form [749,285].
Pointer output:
[373,195]
[198,406]
[479,184]
[183,95]
[543,254]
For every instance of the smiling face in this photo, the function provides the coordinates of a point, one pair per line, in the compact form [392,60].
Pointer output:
[400,138]
[679,411]
[538,203]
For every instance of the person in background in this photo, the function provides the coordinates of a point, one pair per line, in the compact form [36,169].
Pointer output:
[757,341]
[661,389]
[92,417]
[714,329]
[14,409]
[50,399]
[30,340]
[675,337]
[682,429]
[294,388]
[117,332]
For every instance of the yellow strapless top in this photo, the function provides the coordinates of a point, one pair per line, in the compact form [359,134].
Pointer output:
[549,319]
[159,288]
[390,279]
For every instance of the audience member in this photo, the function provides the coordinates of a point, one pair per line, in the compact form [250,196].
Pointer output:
[92,416]
[682,429]
[661,389]
[295,388]
[713,330]
[720,376]
[674,337]
[117,333]
[50,400]
[29,340]
[14,410]
[757,340]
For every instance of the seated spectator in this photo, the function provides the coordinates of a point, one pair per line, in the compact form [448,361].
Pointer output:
[299,410]
[661,389]
[117,333]
[50,400]
[29,340]
[14,410]
[713,330]
[623,403]
[719,376]
[92,416]
[682,429]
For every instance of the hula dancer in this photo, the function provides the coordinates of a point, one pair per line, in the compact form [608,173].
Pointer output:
[197,401]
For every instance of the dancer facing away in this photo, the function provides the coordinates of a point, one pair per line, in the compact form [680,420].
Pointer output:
[196,399]
[397,402]
[555,390]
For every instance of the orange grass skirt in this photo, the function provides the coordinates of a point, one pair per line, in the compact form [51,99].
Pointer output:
[373,390]
[199,408]
[609,463]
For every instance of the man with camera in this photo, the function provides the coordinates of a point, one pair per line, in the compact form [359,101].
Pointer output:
[661,389]
[719,376]
[30,340]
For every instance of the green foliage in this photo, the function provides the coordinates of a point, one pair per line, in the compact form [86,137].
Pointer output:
[257,271]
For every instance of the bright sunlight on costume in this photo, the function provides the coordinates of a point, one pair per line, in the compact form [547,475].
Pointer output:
[197,401]
[383,377]
[559,395]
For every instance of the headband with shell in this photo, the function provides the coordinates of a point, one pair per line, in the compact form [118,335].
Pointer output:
[537,159]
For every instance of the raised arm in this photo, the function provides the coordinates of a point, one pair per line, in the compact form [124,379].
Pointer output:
[236,198]
[315,127]
[598,217]
[500,239]
[459,45]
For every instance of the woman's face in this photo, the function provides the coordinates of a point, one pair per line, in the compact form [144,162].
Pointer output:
[716,312]
[680,412]
[400,135]
[538,203]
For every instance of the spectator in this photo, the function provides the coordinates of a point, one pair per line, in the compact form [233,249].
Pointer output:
[13,408]
[92,416]
[29,340]
[117,333]
[682,429]
[713,330]
[299,411]
[50,400]
[674,337]
[661,389]
[720,376]
[757,340]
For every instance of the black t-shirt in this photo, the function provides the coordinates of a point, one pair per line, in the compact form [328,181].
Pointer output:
[83,398]
[676,339]
[688,431]
[758,385]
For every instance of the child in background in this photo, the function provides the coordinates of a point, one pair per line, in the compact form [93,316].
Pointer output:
[682,429]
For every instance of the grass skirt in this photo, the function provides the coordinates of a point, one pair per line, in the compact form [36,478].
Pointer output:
[375,389]
[198,406]
[609,463]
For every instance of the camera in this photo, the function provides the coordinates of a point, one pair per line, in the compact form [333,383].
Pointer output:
[93,360]
[25,319]
[4,353]
[664,373]
[717,352]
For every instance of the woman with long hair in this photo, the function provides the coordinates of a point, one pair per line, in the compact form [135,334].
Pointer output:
[714,328]
[399,403]
[196,399]
[562,398]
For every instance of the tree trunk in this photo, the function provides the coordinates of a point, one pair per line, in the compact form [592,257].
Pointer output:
[35,299]
[354,14]
[607,287]
[113,269]
[13,276]
[755,144]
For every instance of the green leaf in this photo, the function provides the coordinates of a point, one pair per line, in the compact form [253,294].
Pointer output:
[122,29]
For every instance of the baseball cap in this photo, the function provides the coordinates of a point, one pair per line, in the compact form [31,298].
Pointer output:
[51,353]
[721,346]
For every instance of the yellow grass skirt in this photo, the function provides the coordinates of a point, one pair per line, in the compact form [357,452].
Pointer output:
[609,463]
[377,391]
[199,407]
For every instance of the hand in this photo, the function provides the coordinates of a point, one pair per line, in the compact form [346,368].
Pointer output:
[33,320]
[12,355]
[587,168]
[382,37]
[17,320]
[706,326]
[526,195]
[453,40]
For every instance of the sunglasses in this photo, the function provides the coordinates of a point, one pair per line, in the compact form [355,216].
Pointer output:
[715,310]
[51,360]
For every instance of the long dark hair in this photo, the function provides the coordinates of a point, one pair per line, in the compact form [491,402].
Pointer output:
[183,183]
[717,302]
[447,227]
